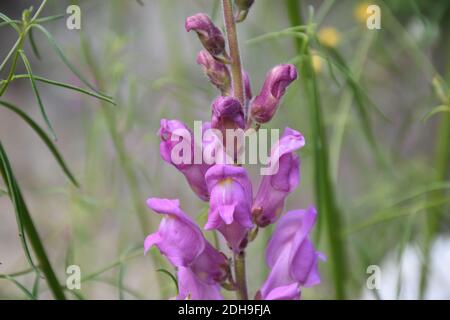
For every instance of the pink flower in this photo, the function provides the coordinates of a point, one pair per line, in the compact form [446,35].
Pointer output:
[230,203]
[182,242]
[210,36]
[276,186]
[173,133]
[291,256]
[264,106]
[191,287]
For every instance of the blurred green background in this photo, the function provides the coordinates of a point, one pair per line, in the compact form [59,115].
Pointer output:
[388,161]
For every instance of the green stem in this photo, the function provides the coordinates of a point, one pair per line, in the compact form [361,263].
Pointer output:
[441,162]
[18,47]
[240,276]
[324,190]
[38,11]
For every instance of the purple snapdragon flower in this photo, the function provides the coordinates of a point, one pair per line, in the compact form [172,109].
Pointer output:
[291,257]
[230,204]
[276,186]
[191,287]
[264,106]
[210,36]
[182,242]
[219,179]
[172,133]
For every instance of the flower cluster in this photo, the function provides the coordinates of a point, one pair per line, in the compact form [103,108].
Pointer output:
[234,211]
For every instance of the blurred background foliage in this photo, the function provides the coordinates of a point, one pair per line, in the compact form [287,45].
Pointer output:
[384,103]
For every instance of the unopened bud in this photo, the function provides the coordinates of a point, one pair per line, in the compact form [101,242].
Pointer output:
[264,106]
[216,71]
[210,36]
[243,7]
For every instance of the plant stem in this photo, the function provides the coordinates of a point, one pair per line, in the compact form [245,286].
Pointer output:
[236,66]
[324,189]
[238,89]
[240,276]
[441,162]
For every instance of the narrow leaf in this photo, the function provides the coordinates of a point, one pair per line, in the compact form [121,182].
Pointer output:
[33,44]
[36,92]
[20,286]
[41,133]
[26,222]
[171,276]
[438,109]
[66,61]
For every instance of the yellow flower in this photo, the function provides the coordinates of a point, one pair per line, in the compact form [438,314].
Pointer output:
[360,13]
[317,62]
[329,37]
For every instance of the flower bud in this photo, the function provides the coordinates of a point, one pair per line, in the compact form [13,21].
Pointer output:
[243,7]
[210,36]
[264,106]
[227,113]
[216,71]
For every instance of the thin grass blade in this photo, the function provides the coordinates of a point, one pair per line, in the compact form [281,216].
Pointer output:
[44,137]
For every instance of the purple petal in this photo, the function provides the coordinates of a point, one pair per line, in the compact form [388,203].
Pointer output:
[264,106]
[289,292]
[179,238]
[283,178]
[231,198]
[210,36]
[191,287]
[172,133]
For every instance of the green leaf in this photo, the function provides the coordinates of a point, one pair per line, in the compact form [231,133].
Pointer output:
[37,282]
[67,86]
[66,61]
[5,23]
[25,221]
[36,92]
[33,44]
[15,196]
[438,109]
[3,193]
[49,18]
[8,21]
[330,215]
[171,277]
[41,133]
[19,285]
